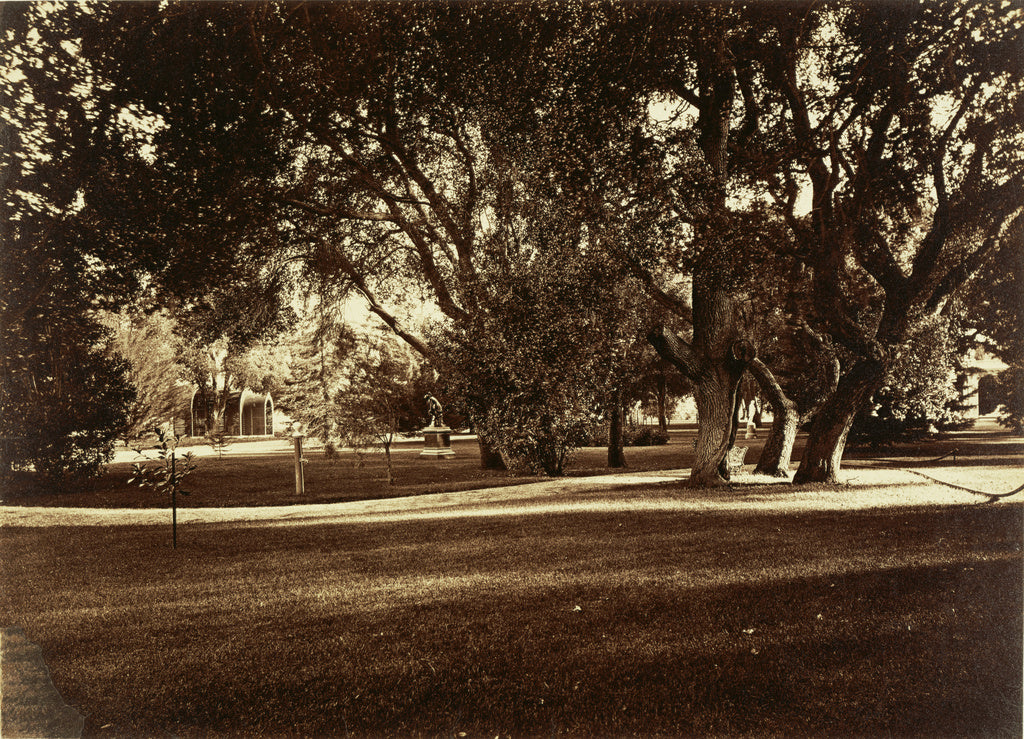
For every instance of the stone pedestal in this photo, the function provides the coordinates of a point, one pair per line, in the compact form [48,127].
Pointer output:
[437,442]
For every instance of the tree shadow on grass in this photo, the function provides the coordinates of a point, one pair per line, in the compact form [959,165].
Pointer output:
[951,450]
[906,652]
[828,624]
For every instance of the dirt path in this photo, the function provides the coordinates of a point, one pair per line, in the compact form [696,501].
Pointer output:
[859,488]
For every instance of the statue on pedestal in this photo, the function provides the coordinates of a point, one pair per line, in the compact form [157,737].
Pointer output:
[435,411]
[437,438]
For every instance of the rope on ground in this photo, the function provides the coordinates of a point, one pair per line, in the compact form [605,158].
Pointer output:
[991,496]
[951,453]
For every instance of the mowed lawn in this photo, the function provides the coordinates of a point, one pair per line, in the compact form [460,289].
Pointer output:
[595,622]
[242,479]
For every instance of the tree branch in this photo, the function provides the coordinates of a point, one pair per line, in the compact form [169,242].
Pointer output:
[679,90]
[359,283]
[970,264]
[470,163]
[878,260]
[678,352]
[438,203]
[321,210]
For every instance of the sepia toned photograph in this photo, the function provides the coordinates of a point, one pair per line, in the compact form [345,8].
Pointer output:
[504,369]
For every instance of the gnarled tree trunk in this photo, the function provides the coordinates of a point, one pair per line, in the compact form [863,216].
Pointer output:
[490,458]
[831,425]
[778,447]
[716,385]
[715,396]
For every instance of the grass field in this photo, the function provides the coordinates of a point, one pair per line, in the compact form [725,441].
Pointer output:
[580,613]
[240,479]
[891,622]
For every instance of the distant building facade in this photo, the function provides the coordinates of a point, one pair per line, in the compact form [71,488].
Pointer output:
[247,414]
[977,381]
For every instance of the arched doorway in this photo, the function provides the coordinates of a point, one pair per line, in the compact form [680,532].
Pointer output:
[255,414]
[987,398]
[268,416]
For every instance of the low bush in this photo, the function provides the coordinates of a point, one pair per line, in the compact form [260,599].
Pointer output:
[597,435]
[646,436]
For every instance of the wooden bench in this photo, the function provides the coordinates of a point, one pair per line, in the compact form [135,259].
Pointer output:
[736,457]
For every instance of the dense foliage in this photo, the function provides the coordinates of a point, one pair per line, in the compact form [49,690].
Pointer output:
[919,393]
[63,400]
[210,154]
[525,370]
[1009,393]
[991,309]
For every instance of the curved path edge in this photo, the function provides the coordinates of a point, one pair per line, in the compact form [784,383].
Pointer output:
[858,489]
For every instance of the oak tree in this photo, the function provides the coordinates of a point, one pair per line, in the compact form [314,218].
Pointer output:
[904,121]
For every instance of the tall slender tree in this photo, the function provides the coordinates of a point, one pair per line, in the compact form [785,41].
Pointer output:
[147,343]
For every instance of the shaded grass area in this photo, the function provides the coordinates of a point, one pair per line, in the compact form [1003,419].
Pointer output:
[896,622]
[269,479]
[993,447]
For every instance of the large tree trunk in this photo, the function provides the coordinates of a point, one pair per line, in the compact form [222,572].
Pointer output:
[778,448]
[831,425]
[715,396]
[714,414]
[490,458]
[734,424]
[716,385]
[722,357]
[716,357]
[616,444]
